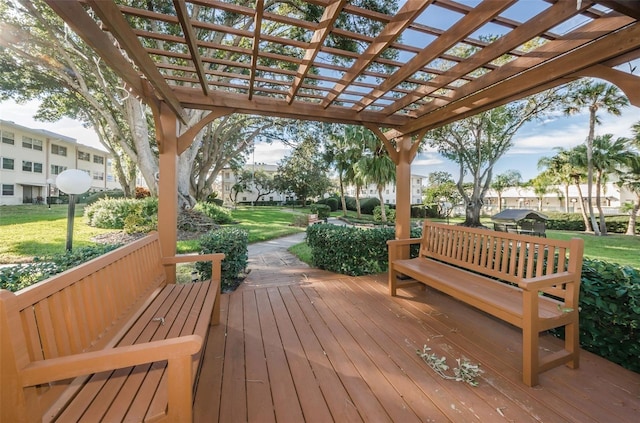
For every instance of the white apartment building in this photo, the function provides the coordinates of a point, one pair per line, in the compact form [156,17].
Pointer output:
[227,180]
[389,192]
[30,160]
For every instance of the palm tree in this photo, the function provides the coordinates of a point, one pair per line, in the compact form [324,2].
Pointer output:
[377,166]
[594,96]
[569,168]
[541,185]
[343,153]
[608,157]
[500,183]
[631,180]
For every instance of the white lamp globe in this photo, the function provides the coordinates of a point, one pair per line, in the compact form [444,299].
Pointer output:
[73,181]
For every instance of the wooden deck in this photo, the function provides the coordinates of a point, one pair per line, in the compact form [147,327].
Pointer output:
[298,345]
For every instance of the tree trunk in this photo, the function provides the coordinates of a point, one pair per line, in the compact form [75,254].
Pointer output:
[358,212]
[342,198]
[499,202]
[472,213]
[631,227]
[603,224]
[590,137]
[566,198]
[383,209]
[585,218]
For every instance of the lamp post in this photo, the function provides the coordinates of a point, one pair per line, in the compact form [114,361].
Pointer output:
[49,182]
[72,182]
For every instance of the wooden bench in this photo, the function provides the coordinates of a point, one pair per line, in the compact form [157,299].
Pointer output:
[530,282]
[109,340]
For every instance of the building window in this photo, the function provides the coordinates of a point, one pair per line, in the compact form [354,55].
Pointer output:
[7,189]
[27,166]
[8,137]
[244,198]
[58,150]
[227,175]
[37,168]
[98,176]
[84,156]
[30,143]
[7,164]
[98,159]
[57,170]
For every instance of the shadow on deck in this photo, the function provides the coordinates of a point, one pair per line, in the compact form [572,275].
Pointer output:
[307,345]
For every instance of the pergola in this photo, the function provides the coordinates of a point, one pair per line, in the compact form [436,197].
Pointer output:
[204,64]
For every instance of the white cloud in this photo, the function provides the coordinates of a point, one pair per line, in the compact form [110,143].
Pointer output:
[269,153]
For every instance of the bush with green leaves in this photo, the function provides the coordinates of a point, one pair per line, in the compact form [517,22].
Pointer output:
[233,243]
[377,214]
[350,250]
[111,213]
[368,204]
[332,202]
[610,312]
[95,196]
[574,222]
[322,210]
[219,214]
[20,276]
[142,216]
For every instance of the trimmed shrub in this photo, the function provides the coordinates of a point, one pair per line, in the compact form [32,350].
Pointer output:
[368,204]
[322,210]
[377,214]
[14,278]
[332,202]
[418,211]
[352,251]
[111,213]
[573,222]
[219,214]
[233,243]
[95,196]
[142,216]
[350,203]
[610,312]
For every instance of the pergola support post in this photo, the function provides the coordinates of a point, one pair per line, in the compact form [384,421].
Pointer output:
[167,136]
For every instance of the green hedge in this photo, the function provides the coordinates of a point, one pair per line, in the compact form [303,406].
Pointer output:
[350,250]
[233,243]
[322,210]
[218,214]
[610,312]
[573,222]
[332,202]
[112,213]
[377,214]
[14,278]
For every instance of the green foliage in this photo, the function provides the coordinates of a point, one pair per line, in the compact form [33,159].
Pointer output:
[233,243]
[123,213]
[332,202]
[349,250]
[610,312]
[574,222]
[142,217]
[14,278]
[377,214]
[368,204]
[219,214]
[322,210]
[93,197]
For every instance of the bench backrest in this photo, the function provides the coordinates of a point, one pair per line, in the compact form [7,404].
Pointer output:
[505,256]
[78,310]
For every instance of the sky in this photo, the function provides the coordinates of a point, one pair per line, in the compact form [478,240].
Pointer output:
[534,140]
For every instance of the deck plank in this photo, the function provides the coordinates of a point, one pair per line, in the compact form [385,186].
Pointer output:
[355,346]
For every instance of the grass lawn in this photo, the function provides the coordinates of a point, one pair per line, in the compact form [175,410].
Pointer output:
[621,249]
[28,231]
[264,223]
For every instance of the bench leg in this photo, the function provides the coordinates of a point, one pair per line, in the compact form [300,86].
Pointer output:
[530,339]
[393,281]
[572,342]
[180,382]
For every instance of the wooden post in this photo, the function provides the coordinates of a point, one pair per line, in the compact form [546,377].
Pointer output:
[167,135]
[403,192]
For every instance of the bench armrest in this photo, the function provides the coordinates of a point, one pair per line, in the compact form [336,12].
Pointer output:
[401,242]
[88,363]
[188,258]
[535,284]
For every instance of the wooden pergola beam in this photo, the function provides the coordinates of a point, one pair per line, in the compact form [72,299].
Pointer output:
[329,16]
[387,36]
[628,83]
[192,43]
[112,17]
[257,23]
[465,26]
[600,50]
[528,30]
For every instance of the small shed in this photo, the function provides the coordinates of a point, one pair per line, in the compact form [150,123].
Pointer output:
[524,221]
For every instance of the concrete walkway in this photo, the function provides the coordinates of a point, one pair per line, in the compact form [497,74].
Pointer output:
[271,264]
